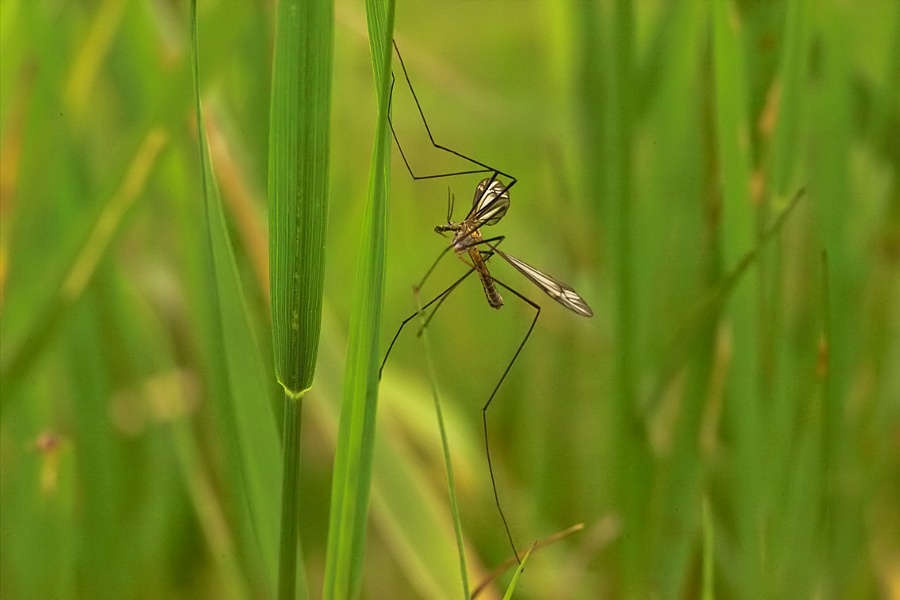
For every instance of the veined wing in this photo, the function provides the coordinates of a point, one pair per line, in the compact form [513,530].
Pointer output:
[490,203]
[553,288]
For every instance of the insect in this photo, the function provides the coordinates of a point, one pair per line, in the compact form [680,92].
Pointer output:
[490,203]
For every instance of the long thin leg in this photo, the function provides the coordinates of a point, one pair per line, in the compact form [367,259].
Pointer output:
[484,167]
[485,257]
[493,242]
[432,267]
[484,409]
[400,146]
[439,299]
[403,154]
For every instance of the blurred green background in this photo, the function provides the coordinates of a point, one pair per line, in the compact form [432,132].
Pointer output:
[726,424]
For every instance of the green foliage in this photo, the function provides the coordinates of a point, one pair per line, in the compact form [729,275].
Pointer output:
[298,185]
[299,139]
[724,426]
[354,455]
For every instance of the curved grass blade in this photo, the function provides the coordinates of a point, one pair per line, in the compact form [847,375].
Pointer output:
[251,433]
[356,435]
[512,562]
[20,351]
[515,579]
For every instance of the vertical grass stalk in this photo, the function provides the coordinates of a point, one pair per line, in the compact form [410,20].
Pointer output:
[356,433]
[738,216]
[445,448]
[632,485]
[298,193]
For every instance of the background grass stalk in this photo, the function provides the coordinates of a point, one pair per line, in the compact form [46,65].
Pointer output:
[744,414]
[632,487]
[250,434]
[445,449]
[16,362]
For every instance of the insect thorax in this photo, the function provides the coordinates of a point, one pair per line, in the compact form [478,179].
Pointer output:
[465,237]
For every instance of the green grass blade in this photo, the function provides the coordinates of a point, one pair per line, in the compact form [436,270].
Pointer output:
[515,578]
[83,259]
[631,490]
[298,185]
[732,130]
[356,435]
[298,199]
[791,105]
[251,431]
[831,185]
[738,217]
[445,448]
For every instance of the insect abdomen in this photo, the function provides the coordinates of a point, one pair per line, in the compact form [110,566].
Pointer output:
[490,290]
[487,282]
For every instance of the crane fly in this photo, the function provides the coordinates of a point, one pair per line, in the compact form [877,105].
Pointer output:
[489,205]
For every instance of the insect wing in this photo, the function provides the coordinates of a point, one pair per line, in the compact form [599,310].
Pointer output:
[490,203]
[553,288]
